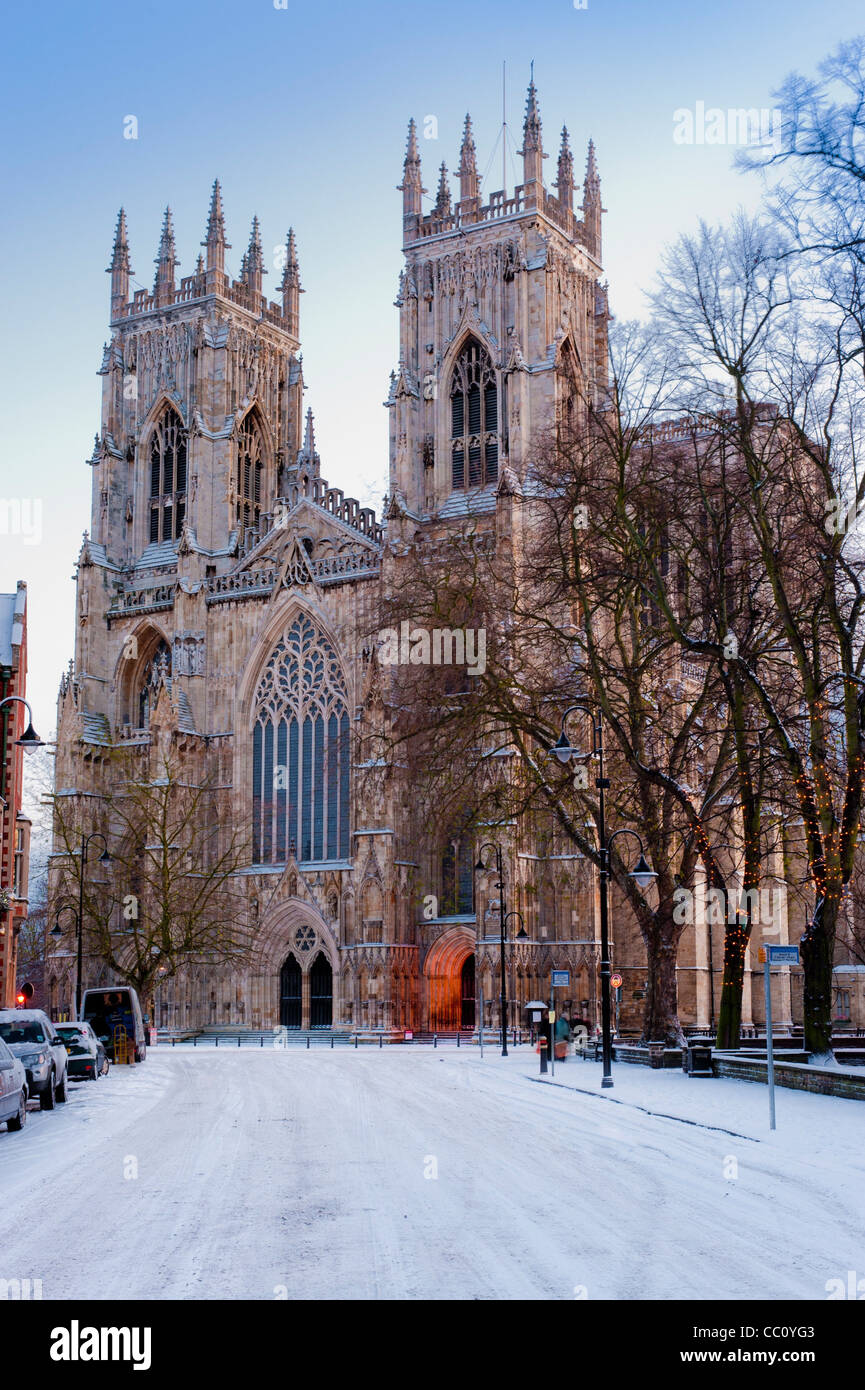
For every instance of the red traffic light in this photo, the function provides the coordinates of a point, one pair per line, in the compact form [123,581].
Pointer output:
[24,995]
[20,1000]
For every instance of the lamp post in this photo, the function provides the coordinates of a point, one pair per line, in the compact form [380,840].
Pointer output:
[105,859]
[504,917]
[521,935]
[642,873]
[29,741]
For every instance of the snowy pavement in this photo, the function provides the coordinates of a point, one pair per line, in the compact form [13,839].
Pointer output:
[413,1173]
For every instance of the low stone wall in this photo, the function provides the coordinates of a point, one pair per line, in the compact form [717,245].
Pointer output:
[826,1081]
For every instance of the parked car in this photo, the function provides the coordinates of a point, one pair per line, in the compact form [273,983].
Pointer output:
[115,1017]
[88,1059]
[32,1037]
[13,1089]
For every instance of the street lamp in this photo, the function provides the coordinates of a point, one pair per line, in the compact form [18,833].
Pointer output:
[105,860]
[29,740]
[481,868]
[642,872]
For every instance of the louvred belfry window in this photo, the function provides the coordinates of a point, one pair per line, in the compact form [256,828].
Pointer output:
[300,752]
[474,419]
[249,477]
[167,478]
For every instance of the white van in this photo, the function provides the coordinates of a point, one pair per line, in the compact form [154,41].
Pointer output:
[114,1014]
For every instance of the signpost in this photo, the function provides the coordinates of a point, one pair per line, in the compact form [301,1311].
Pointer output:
[559,979]
[769,956]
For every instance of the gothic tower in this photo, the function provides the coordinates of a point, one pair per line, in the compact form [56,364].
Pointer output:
[503,320]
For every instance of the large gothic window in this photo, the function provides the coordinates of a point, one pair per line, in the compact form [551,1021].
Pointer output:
[300,777]
[155,673]
[249,477]
[474,419]
[167,477]
[457,875]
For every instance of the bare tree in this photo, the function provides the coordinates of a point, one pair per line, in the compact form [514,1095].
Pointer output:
[170,897]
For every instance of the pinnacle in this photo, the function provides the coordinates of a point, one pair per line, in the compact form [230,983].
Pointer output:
[591,165]
[412,154]
[254,257]
[215,219]
[468,164]
[443,196]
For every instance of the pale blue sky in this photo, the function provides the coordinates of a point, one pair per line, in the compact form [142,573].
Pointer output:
[302,114]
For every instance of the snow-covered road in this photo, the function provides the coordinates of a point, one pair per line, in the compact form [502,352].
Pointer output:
[413,1173]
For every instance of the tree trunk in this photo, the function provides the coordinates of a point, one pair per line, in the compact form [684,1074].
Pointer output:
[661,1016]
[730,1010]
[817,950]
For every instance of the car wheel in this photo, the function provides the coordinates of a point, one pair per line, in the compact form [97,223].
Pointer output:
[47,1099]
[16,1122]
[62,1091]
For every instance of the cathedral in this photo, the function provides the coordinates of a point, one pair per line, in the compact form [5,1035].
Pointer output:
[224,590]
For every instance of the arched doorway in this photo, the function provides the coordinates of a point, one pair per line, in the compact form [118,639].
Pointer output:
[320,993]
[290,994]
[446,983]
[467,993]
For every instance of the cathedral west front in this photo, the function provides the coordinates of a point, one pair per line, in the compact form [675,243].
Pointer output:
[225,588]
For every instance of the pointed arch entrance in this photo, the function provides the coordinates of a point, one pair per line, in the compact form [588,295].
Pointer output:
[320,992]
[449,981]
[291,993]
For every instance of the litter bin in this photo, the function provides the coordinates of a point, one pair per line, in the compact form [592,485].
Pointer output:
[699,1059]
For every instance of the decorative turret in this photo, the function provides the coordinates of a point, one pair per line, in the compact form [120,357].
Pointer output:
[290,285]
[592,204]
[468,170]
[533,150]
[166,264]
[411,187]
[254,262]
[215,241]
[308,459]
[119,269]
[565,179]
[443,195]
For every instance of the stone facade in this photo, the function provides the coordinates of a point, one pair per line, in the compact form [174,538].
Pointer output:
[225,589]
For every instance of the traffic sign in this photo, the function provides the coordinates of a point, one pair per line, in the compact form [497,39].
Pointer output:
[616,980]
[560,979]
[783,955]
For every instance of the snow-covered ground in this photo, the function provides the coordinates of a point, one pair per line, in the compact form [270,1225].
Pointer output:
[413,1173]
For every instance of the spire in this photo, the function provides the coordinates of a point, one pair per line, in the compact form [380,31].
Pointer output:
[592,203]
[443,196]
[290,285]
[468,163]
[254,260]
[592,177]
[565,180]
[166,263]
[533,150]
[309,454]
[215,241]
[119,269]
[411,187]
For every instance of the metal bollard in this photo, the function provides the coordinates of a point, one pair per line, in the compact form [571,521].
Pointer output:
[458,1038]
[195,1040]
[307,1042]
[261,1040]
[380,1040]
[172,1042]
[238,1040]
[355,1042]
[542,1043]
[216,1040]
[435,1039]
[331,1042]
